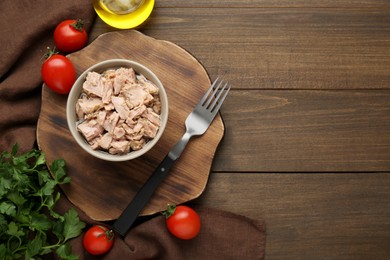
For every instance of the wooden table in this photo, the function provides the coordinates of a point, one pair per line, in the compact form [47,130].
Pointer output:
[307,142]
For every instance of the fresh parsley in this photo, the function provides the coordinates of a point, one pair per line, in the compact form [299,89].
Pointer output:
[27,198]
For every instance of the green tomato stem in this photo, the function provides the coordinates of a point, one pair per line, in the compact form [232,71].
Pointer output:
[169,211]
[78,25]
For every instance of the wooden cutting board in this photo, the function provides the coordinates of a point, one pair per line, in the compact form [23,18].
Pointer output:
[103,189]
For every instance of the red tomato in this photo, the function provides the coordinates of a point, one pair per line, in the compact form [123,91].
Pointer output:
[58,73]
[98,240]
[70,36]
[182,221]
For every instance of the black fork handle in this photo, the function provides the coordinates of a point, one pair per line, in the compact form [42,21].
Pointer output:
[130,214]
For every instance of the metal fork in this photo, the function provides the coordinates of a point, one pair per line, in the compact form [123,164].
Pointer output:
[197,122]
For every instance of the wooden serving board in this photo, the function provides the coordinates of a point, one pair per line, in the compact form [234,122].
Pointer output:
[103,189]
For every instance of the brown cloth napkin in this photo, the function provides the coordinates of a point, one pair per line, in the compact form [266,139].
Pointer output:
[26,29]
[223,235]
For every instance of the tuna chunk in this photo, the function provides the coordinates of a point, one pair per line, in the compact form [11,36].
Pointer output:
[136,96]
[90,129]
[118,133]
[151,117]
[134,133]
[94,84]
[122,77]
[111,122]
[150,129]
[121,107]
[119,147]
[137,145]
[119,110]
[107,92]
[101,117]
[147,85]
[136,113]
[87,106]
[105,141]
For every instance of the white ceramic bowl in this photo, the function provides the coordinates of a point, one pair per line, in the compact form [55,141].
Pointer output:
[76,92]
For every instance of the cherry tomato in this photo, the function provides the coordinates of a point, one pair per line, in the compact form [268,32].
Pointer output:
[98,240]
[70,36]
[182,221]
[58,73]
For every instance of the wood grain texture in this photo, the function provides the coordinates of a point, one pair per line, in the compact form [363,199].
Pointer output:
[311,216]
[283,48]
[311,94]
[273,4]
[305,131]
[103,189]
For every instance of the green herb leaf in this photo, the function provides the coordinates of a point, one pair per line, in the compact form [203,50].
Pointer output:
[13,230]
[15,148]
[58,230]
[34,247]
[41,160]
[40,222]
[72,225]
[65,252]
[3,251]
[28,194]
[5,186]
[7,208]
[47,189]
[59,171]
[16,198]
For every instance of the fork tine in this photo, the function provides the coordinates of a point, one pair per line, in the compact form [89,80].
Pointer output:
[220,100]
[216,99]
[205,96]
[210,97]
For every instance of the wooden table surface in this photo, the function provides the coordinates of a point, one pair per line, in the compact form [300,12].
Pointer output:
[307,142]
